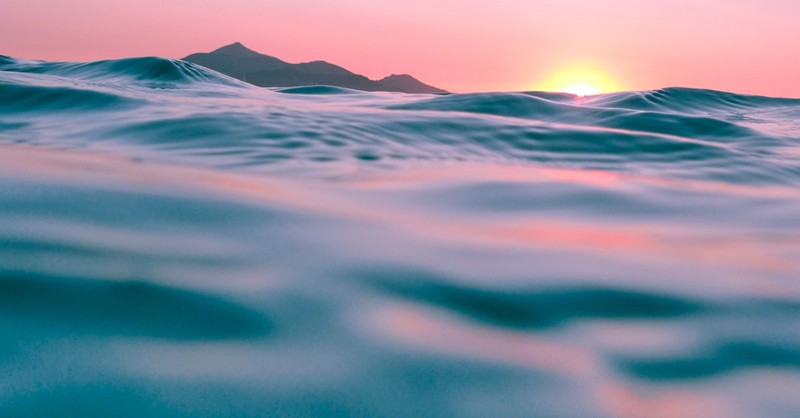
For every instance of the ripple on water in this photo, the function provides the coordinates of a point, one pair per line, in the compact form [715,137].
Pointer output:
[174,242]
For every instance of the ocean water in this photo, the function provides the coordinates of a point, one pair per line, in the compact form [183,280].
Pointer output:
[177,243]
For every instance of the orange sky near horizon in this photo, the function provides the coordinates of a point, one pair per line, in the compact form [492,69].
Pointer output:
[744,46]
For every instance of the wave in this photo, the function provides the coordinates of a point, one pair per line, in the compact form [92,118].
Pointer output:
[151,72]
[321,90]
[602,131]
[690,100]
[174,241]
[605,111]
[215,121]
[136,308]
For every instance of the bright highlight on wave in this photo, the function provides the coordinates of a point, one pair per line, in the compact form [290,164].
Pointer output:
[580,80]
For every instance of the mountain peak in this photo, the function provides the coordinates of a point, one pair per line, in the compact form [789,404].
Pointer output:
[235,49]
[399,77]
[239,61]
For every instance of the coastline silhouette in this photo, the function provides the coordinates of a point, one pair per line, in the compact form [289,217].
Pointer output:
[238,61]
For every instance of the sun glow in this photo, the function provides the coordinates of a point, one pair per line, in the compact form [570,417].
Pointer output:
[580,80]
[581,89]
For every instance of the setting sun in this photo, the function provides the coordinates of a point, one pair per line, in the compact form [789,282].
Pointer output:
[580,80]
[581,89]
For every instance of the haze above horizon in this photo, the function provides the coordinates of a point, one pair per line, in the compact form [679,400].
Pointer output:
[743,46]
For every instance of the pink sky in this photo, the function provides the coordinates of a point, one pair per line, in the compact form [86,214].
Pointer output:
[744,46]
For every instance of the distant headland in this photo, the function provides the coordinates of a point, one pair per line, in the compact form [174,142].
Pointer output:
[238,61]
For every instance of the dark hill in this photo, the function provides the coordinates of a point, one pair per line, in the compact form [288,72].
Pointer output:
[238,61]
[408,84]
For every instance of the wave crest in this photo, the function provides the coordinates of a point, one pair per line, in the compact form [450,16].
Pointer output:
[143,70]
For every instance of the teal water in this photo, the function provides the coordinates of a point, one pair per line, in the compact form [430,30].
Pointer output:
[176,243]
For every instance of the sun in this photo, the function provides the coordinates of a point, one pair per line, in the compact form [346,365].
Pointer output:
[580,79]
[580,89]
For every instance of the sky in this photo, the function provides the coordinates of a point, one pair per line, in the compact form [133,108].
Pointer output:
[743,46]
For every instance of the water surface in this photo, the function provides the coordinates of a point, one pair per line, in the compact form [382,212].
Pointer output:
[174,242]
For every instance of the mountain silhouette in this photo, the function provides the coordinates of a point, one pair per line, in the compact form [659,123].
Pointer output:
[407,84]
[238,61]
